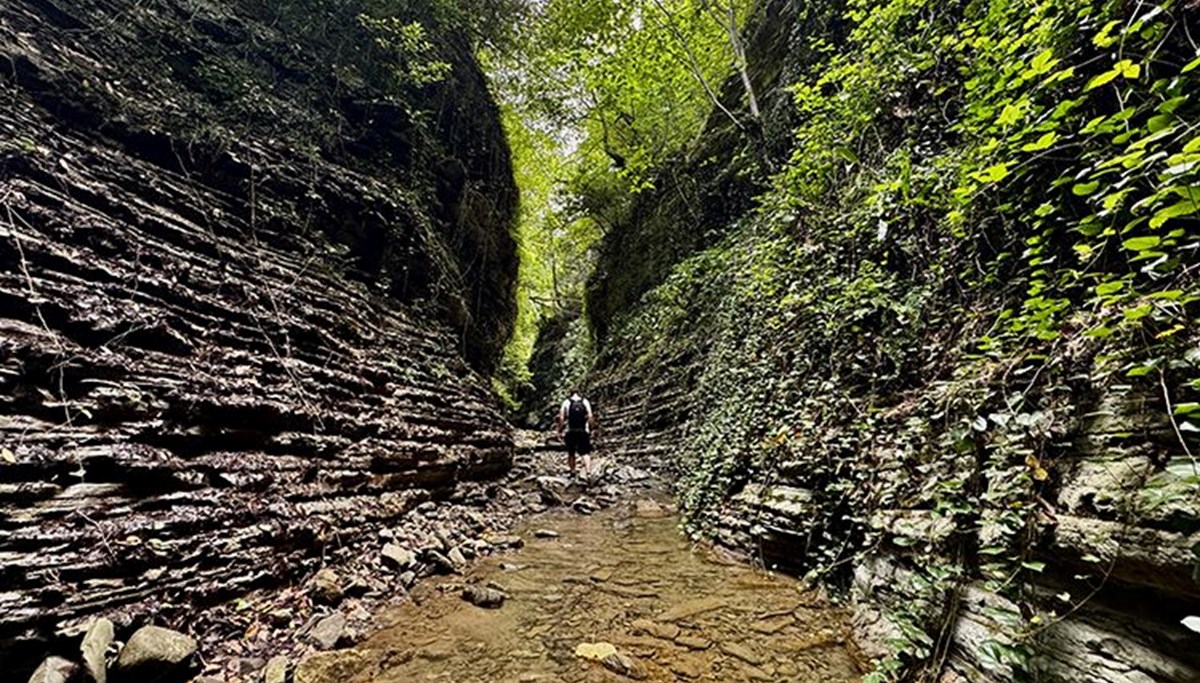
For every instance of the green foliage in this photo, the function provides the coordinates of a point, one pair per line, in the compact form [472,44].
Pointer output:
[597,95]
[409,47]
[990,208]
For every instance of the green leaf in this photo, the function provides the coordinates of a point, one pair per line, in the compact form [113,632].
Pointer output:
[1103,79]
[1183,208]
[1109,288]
[993,174]
[1085,189]
[1139,312]
[1034,566]
[1141,243]
[1044,142]
[1191,66]
[1011,114]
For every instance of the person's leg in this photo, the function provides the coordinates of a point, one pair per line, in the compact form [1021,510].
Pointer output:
[572,442]
[585,449]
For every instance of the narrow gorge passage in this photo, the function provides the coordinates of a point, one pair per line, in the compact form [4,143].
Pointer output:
[888,311]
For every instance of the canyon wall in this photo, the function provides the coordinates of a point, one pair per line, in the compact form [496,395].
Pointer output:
[876,379]
[247,292]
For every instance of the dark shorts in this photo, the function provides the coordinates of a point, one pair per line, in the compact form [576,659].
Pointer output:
[578,442]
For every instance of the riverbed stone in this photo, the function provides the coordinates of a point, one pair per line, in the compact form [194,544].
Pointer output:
[742,652]
[484,596]
[331,667]
[626,665]
[654,628]
[276,670]
[326,633]
[398,557]
[54,670]
[154,653]
[693,642]
[95,644]
[326,587]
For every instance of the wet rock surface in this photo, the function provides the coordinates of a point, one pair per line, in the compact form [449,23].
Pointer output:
[615,596]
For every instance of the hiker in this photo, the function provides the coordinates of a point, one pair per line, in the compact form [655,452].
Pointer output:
[576,415]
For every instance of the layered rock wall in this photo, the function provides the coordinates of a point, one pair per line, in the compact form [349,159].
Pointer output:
[831,404]
[229,344]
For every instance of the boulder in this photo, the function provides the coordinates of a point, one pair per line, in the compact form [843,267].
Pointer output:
[326,633]
[54,670]
[154,654]
[93,648]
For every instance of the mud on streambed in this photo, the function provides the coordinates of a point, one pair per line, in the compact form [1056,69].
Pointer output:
[614,596]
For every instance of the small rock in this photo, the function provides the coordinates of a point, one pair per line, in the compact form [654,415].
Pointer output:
[248,665]
[456,558]
[742,652]
[545,533]
[154,653]
[440,562]
[398,557]
[623,664]
[326,587]
[664,631]
[407,579]
[328,631]
[506,541]
[330,667]
[93,648]
[486,597]
[54,670]
[693,642]
[276,671]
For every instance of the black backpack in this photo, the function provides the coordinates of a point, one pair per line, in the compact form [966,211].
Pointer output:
[577,416]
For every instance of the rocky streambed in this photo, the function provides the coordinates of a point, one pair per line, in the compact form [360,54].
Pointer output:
[618,595]
[533,578]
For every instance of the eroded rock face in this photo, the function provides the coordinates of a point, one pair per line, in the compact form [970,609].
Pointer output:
[219,353]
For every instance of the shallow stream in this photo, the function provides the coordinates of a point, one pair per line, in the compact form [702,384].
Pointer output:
[623,579]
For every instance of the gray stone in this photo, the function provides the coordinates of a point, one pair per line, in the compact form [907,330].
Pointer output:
[456,558]
[276,671]
[440,562]
[623,664]
[93,648]
[545,533]
[398,557]
[154,653]
[54,670]
[482,596]
[328,631]
[407,579]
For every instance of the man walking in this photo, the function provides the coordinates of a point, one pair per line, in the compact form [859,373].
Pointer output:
[576,415]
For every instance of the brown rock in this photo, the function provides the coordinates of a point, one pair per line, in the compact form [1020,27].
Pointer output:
[693,642]
[331,667]
[326,587]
